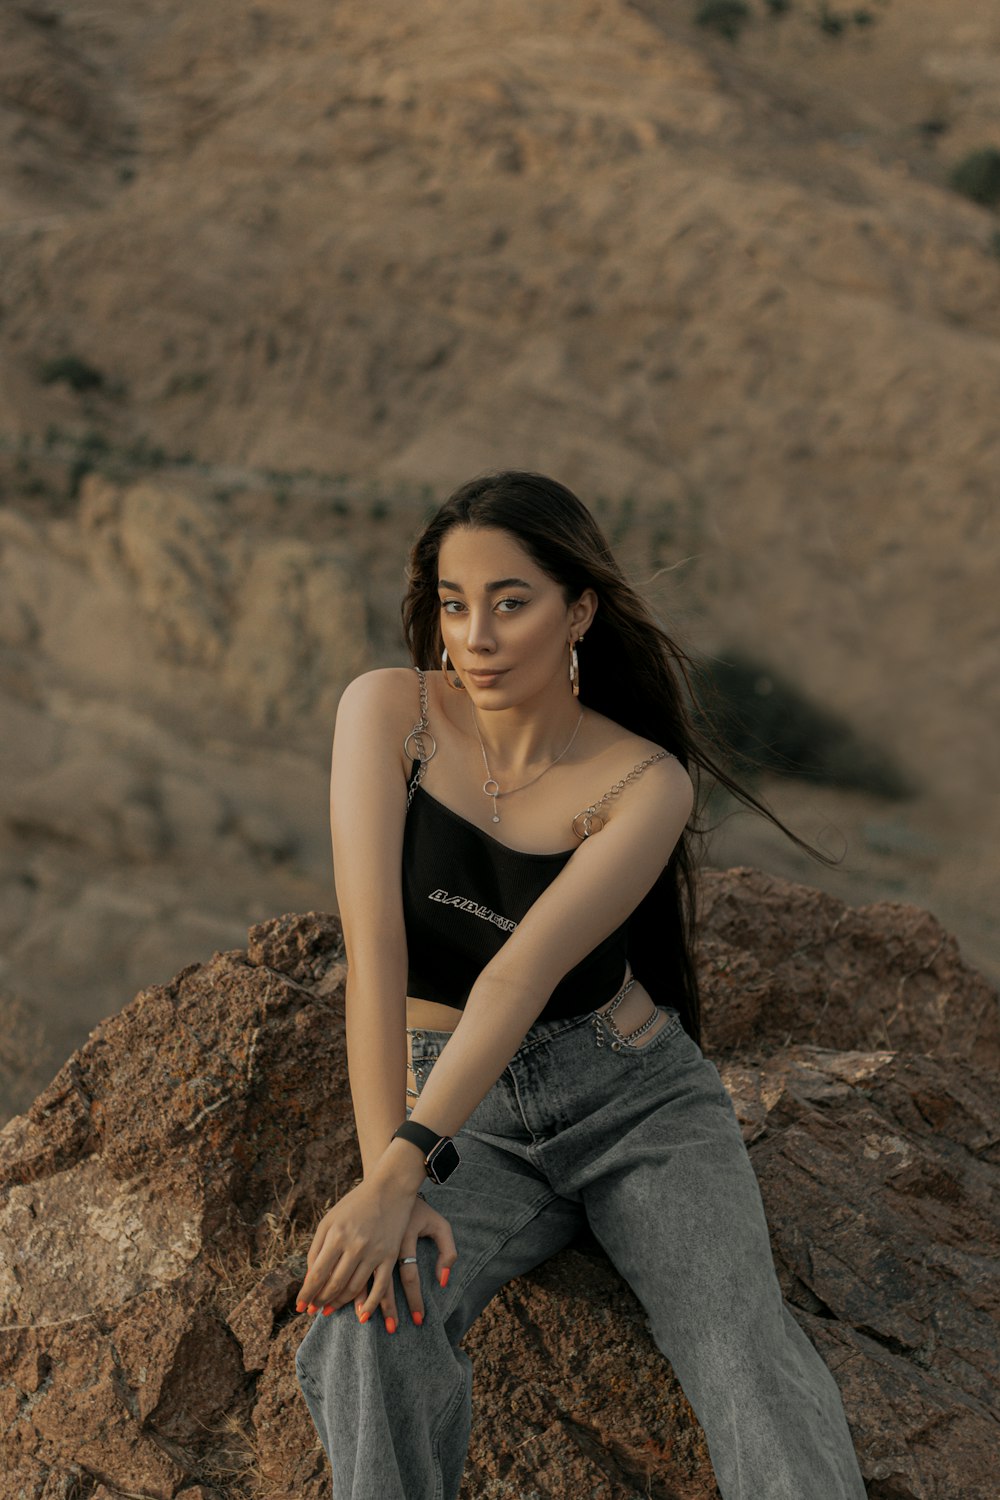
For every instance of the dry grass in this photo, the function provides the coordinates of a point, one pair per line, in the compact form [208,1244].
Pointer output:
[231,1461]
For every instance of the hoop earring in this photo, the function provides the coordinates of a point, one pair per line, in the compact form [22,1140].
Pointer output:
[574,667]
[459,686]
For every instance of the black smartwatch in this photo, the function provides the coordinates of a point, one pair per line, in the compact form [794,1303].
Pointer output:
[440,1152]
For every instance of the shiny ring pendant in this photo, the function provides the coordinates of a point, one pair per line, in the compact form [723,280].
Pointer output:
[587,821]
[418,735]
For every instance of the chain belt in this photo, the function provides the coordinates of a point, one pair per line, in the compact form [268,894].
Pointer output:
[605,1015]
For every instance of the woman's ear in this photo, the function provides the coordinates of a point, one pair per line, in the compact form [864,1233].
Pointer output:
[583,611]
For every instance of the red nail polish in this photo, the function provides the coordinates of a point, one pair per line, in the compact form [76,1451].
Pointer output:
[328,1309]
[418,1318]
[300,1307]
[444,1275]
[390,1325]
[311,1307]
[363,1317]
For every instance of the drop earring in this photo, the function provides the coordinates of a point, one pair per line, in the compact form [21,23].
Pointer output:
[459,685]
[574,667]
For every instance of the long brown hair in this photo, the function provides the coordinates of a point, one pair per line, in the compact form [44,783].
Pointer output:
[632,671]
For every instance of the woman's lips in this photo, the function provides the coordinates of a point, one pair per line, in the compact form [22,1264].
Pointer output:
[486,677]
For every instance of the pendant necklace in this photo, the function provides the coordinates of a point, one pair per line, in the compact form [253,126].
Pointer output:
[492,787]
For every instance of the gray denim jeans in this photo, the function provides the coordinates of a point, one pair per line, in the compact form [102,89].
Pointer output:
[642,1143]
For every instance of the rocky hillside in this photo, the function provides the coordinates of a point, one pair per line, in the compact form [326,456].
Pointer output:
[273,278]
[158,1198]
[168,695]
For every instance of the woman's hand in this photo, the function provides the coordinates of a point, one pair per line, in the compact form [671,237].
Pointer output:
[424,1220]
[365,1233]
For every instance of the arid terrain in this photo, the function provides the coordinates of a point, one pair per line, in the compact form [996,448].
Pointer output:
[274,279]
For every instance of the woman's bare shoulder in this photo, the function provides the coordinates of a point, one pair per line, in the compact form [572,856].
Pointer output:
[387,698]
[621,750]
[386,685]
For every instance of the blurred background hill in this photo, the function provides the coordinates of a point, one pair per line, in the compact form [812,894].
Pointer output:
[274,279]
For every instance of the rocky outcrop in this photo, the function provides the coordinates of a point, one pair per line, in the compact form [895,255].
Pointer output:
[159,1196]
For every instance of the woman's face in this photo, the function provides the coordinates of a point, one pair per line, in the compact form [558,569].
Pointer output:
[499,611]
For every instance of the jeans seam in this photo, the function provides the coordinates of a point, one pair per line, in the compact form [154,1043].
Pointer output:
[438,1430]
[506,1235]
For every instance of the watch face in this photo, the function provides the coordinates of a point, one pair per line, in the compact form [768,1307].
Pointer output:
[443,1160]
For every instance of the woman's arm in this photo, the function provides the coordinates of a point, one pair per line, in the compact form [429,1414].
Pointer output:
[593,894]
[367,813]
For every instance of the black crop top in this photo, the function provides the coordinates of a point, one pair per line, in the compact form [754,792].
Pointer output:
[464,892]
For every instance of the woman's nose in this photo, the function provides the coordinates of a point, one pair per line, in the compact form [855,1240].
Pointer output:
[481,636]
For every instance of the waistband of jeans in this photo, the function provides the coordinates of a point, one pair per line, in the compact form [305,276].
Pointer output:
[430,1042]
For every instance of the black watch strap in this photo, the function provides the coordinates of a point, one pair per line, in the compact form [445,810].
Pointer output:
[440,1152]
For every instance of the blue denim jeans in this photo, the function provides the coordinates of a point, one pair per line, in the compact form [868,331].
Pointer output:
[642,1143]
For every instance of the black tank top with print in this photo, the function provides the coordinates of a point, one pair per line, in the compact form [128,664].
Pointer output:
[464,893]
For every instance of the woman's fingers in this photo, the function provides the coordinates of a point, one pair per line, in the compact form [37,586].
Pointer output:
[383,1295]
[410,1278]
[440,1231]
[335,1278]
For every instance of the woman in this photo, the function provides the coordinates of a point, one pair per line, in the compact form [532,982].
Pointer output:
[531,780]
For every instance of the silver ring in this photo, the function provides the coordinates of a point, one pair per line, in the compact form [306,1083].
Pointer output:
[408,1260]
[589,819]
[418,735]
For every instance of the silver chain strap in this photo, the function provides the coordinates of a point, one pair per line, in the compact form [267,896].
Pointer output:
[418,733]
[590,813]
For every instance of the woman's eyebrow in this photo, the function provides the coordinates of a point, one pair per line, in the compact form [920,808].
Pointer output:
[498,583]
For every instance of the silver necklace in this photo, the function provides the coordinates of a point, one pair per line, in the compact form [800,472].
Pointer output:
[492,787]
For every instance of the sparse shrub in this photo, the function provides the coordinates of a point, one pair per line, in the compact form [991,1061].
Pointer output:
[830,21]
[78,469]
[187,383]
[977,176]
[779,7]
[143,454]
[74,371]
[933,127]
[771,725]
[727,17]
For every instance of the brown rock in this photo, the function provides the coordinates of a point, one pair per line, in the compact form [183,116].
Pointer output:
[157,1200]
[781,960]
[253,1320]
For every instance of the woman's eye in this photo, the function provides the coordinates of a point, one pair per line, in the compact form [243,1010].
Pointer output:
[452,606]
